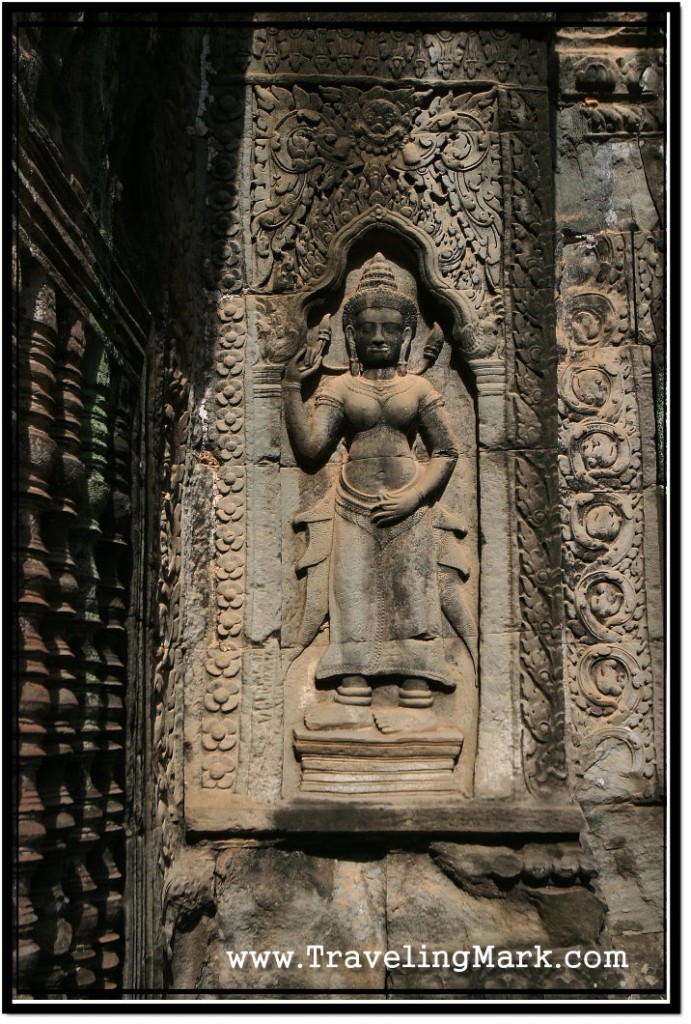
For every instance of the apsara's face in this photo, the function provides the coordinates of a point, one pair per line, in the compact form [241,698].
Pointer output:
[379,336]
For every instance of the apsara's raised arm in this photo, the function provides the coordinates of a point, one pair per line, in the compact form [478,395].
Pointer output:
[314,429]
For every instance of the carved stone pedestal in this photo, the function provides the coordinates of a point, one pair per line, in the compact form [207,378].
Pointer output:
[340,762]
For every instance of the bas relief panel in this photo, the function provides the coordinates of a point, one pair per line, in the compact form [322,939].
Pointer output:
[381,447]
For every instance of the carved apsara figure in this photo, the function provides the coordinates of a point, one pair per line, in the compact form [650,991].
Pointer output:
[384,559]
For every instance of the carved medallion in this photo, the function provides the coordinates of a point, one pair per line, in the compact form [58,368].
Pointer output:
[605,601]
[600,454]
[592,389]
[602,524]
[609,680]
[589,319]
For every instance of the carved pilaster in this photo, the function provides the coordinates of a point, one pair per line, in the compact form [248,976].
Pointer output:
[224,660]
[606,469]
[530,341]
[217,760]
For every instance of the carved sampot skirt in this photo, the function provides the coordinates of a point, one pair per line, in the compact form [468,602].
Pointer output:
[385,615]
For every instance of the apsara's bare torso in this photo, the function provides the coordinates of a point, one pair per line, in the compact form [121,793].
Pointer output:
[381,421]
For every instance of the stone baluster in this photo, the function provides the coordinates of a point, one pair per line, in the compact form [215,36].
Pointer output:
[36,455]
[106,874]
[91,718]
[67,494]
[114,568]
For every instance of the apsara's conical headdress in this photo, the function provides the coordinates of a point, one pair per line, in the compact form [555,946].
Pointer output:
[378,288]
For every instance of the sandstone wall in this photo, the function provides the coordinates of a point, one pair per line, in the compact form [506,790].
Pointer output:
[192,201]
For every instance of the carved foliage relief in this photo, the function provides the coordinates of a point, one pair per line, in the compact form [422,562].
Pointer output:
[529,326]
[337,151]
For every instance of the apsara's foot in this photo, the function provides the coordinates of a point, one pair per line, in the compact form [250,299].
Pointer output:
[337,716]
[415,693]
[354,690]
[391,720]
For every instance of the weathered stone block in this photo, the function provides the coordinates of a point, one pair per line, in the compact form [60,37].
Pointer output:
[269,898]
[601,185]
[627,843]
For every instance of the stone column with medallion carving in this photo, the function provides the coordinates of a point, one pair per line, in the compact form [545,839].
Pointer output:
[609,280]
[610,220]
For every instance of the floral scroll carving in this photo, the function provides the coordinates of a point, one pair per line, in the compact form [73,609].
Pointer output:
[608,661]
[339,151]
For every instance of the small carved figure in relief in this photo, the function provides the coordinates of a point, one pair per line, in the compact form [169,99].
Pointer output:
[603,526]
[592,387]
[609,676]
[383,559]
[603,522]
[599,450]
[605,599]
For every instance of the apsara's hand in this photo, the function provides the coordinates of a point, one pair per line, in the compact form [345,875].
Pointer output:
[318,340]
[302,365]
[394,505]
[309,358]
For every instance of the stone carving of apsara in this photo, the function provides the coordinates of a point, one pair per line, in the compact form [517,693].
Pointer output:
[384,559]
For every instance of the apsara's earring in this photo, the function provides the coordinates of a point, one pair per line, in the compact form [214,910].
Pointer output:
[355,367]
[402,364]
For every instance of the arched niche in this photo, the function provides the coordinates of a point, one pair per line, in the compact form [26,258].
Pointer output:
[306,502]
[386,231]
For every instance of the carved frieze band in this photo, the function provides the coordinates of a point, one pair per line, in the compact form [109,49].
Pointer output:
[608,661]
[493,54]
